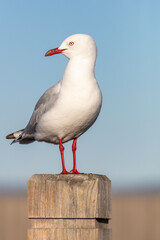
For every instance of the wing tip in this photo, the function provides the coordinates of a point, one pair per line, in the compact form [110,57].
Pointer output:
[14,135]
[10,136]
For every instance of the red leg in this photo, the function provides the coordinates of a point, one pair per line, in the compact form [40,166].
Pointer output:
[74,147]
[61,148]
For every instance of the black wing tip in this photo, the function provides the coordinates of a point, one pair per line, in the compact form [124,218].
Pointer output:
[14,141]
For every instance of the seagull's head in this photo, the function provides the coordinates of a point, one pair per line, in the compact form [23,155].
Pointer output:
[77,45]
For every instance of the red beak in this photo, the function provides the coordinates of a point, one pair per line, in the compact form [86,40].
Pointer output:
[54,51]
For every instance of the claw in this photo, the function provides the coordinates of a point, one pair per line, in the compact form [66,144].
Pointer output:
[65,172]
[74,171]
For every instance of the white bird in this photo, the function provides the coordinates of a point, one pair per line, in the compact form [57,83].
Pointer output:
[67,109]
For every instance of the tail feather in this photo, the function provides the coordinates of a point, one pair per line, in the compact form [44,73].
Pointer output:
[14,135]
[18,137]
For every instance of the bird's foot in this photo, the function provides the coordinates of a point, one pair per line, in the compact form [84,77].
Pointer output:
[74,171]
[65,172]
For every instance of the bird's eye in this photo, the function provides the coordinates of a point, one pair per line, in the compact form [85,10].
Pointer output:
[71,43]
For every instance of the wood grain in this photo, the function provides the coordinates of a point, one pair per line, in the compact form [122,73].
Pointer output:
[69,207]
[69,196]
[69,234]
[69,223]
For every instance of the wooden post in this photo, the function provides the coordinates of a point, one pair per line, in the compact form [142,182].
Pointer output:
[69,207]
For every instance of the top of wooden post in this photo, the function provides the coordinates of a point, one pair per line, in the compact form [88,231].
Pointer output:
[69,196]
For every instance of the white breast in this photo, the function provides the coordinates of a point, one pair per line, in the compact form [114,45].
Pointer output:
[74,112]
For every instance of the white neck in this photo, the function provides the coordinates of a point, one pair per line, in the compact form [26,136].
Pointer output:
[79,69]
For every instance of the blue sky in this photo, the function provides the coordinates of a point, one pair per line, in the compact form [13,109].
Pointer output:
[124,142]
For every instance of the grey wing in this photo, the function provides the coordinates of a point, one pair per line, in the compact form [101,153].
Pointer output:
[44,104]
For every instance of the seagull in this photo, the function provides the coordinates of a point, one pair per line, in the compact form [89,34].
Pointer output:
[70,107]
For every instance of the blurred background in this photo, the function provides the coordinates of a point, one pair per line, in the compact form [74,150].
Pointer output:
[123,143]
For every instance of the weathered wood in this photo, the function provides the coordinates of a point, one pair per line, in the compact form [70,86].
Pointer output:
[69,196]
[69,234]
[37,196]
[69,223]
[69,207]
